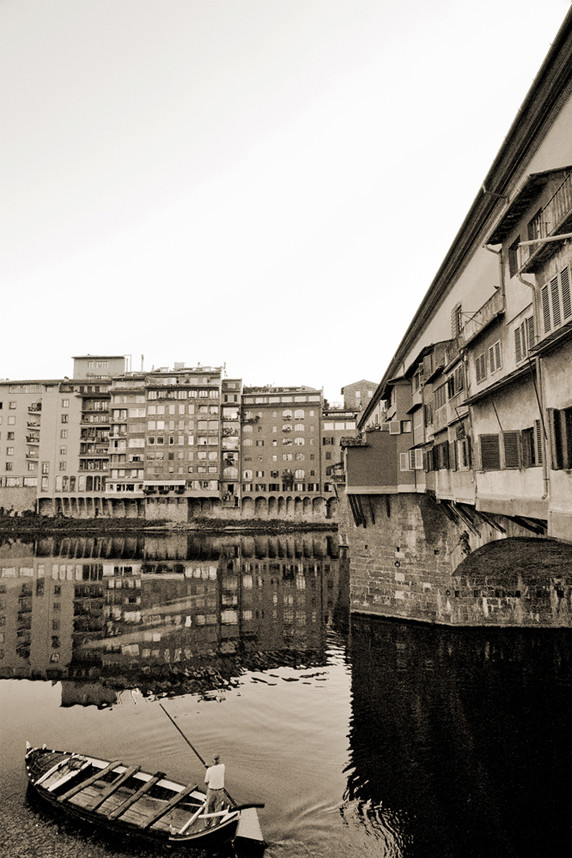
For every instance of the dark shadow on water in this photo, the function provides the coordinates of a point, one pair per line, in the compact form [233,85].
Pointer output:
[460,740]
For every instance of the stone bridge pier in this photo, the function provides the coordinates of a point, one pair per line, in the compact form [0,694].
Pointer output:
[414,558]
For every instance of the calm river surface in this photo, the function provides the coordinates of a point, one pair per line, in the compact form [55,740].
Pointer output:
[367,738]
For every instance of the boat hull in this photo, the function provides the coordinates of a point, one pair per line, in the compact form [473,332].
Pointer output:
[125,801]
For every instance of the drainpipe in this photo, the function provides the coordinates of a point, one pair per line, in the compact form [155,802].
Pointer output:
[539,392]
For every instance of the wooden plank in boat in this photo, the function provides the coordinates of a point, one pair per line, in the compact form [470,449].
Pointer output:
[136,796]
[68,777]
[91,780]
[170,804]
[109,790]
[52,771]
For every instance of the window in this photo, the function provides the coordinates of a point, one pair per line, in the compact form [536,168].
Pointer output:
[65,418]
[523,339]
[513,265]
[490,452]
[531,445]
[560,430]
[481,367]
[495,357]
[441,396]
[511,444]
[556,303]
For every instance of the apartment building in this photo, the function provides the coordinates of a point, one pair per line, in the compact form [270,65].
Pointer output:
[281,442]
[166,444]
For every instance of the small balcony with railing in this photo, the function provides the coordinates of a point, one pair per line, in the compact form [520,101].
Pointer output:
[478,321]
[550,226]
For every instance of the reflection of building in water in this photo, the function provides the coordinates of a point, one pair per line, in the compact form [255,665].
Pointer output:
[75,617]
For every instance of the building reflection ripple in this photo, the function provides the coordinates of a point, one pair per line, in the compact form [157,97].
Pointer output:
[164,615]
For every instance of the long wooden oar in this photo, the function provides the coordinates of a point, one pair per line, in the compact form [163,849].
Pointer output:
[249,827]
[192,746]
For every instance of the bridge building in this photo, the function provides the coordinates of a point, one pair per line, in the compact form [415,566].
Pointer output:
[467,439]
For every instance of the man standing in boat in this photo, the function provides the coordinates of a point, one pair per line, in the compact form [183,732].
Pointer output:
[214,779]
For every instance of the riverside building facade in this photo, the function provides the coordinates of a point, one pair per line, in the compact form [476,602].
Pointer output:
[166,444]
[467,439]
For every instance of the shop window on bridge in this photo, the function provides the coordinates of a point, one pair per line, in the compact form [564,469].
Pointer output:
[560,432]
[490,452]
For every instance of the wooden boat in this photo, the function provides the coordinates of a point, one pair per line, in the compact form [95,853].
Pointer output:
[128,801]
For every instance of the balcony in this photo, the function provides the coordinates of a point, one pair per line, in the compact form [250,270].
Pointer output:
[94,452]
[35,408]
[554,219]
[32,439]
[490,310]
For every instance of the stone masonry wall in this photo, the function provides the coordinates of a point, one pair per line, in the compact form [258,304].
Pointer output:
[413,561]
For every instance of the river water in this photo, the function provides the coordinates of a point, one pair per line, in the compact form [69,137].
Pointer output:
[362,737]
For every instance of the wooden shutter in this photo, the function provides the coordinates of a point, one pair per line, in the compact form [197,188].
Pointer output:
[511,449]
[518,350]
[555,295]
[545,298]
[490,452]
[555,435]
[566,302]
[530,331]
[538,439]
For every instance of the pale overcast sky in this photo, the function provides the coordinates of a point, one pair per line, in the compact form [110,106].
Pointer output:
[266,184]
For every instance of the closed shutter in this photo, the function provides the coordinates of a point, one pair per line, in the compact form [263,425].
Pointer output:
[511,449]
[518,350]
[538,439]
[490,452]
[555,296]
[566,302]
[555,434]
[530,331]
[404,462]
[545,298]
